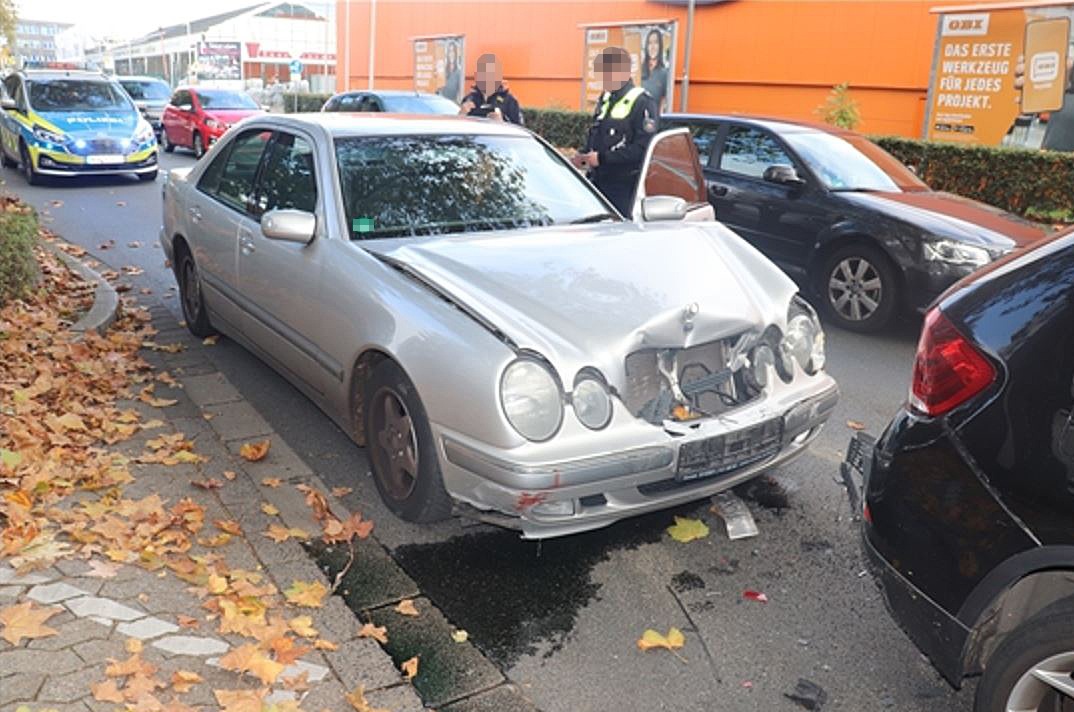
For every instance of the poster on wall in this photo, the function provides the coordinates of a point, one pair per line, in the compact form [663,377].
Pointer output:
[219,61]
[651,46]
[1004,77]
[440,65]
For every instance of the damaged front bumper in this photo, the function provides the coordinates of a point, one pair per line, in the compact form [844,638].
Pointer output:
[670,465]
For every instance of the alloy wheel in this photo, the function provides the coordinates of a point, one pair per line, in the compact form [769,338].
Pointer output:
[395,452]
[1048,686]
[855,289]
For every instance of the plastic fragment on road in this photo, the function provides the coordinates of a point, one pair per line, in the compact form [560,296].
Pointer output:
[758,596]
[807,694]
[736,515]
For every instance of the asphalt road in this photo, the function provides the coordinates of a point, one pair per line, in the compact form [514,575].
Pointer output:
[561,617]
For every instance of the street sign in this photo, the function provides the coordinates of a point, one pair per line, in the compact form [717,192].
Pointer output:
[296,66]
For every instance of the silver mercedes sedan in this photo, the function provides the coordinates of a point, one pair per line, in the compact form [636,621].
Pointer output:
[475,314]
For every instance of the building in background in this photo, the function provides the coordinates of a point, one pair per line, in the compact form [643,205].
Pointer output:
[778,58]
[263,43]
[35,40]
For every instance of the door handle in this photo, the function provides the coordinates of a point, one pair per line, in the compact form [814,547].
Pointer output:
[195,214]
[717,191]
[246,244]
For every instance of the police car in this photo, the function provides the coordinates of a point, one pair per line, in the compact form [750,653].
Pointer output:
[63,122]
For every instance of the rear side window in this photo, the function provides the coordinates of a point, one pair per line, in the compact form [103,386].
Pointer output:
[230,177]
[288,180]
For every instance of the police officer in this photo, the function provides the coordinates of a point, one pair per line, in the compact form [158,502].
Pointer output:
[490,97]
[623,123]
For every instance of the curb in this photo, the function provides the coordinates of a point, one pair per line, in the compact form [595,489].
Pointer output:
[105,307]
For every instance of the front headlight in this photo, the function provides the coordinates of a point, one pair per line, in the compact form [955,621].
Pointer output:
[592,403]
[958,253]
[214,124]
[532,399]
[50,136]
[804,339]
[144,132]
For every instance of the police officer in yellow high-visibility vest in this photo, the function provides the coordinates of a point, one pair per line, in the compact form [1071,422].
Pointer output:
[624,121]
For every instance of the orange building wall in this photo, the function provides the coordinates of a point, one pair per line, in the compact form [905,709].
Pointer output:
[774,57]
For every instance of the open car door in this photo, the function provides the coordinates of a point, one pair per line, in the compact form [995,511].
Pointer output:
[672,185]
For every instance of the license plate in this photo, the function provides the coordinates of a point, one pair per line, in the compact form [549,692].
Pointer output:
[730,451]
[860,452]
[104,159]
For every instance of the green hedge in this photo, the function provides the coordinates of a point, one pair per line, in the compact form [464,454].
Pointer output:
[18,235]
[1038,184]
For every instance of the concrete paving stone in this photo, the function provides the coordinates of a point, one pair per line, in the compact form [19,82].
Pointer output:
[97,651]
[293,508]
[99,620]
[361,661]
[277,697]
[202,368]
[147,628]
[315,671]
[28,661]
[335,621]
[271,553]
[327,695]
[210,389]
[286,573]
[505,698]
[54,592]
[20,687]
[241,490]
[281,461]
[237,420]
[9,577]
[70,686]
[87,584]
[71,633]
[374,578]
[11,591]
[72,567]
[401,698]
[185,359]
[102,608]
[191,645]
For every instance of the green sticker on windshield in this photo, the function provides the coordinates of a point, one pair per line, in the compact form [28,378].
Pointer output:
[362,225]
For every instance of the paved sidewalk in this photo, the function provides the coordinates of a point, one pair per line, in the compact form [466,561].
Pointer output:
[124,629]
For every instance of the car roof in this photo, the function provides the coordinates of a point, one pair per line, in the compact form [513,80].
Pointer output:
[387,92]
[345,123]
[139,78]
[772,123]
[47,74]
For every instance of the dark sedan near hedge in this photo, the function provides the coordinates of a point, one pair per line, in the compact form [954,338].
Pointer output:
[969,493]
[844,217]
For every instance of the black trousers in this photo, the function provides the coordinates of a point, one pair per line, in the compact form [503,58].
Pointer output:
[619,193]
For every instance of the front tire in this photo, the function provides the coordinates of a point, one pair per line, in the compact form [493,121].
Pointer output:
[199,145]
[399,443]
[1032,668]
[6,160]
[28,172]
[165,142]
[858,288]
[147,177]
[190,295]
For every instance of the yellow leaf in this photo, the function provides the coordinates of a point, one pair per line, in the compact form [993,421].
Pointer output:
[302,625]
[25,621]
[279,533]
[272,482]
[460,636]
[249,658]
[406,608]
[229,475]
[325,645]
[239,700]
[213,542]
[133,645]
[410,668]
[252,452]
[651,639]
[269,509]
[308,594]
[183,680]
[188,458]
[358,701]
[217,584]
[685,530]
[377,633]
[230,526]
[70,421]
[341,491]
[106,691]
[210,340]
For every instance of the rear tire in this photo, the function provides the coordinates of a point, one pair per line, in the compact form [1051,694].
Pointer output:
[400,447]
[6,161]
[165,143]
[190,295]
[858,288]
[1043,644]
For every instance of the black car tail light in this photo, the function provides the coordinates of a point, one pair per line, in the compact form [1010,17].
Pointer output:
[948,369]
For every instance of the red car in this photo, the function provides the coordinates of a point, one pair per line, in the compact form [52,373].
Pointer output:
[196,117]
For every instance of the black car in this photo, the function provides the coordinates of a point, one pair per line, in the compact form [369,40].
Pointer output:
[850,222]
[968,516]
[392,102]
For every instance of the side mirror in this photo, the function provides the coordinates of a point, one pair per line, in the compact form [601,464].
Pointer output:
[186,108]
[663,207]
[289,225]
[8,104]
[783,175]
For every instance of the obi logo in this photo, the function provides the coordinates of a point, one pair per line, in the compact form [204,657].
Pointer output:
[967,25]
[1044,67]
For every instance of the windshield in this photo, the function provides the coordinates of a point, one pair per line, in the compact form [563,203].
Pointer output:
[852,163]
[401,186]
[146,90]
[77,95]
[431,104]
[222,99]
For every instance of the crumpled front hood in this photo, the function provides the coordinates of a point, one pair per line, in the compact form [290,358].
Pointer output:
[94,124]
[231,116]
[590,295]
[949,215]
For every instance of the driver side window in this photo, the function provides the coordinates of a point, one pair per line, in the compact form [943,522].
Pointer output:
[749,152]
[230,177]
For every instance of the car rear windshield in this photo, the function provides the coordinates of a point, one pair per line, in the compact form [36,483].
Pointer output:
[431,104]
[223,99]
[401,186]
[852,163]
[76,95]
[146,90]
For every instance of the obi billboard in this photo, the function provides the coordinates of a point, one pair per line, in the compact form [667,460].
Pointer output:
[651,46]
[219,61]
[440,65]
[1004,76]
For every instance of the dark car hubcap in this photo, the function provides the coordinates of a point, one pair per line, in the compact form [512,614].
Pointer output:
[395,452]
[855,289]
[191,290]
[1048,686]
